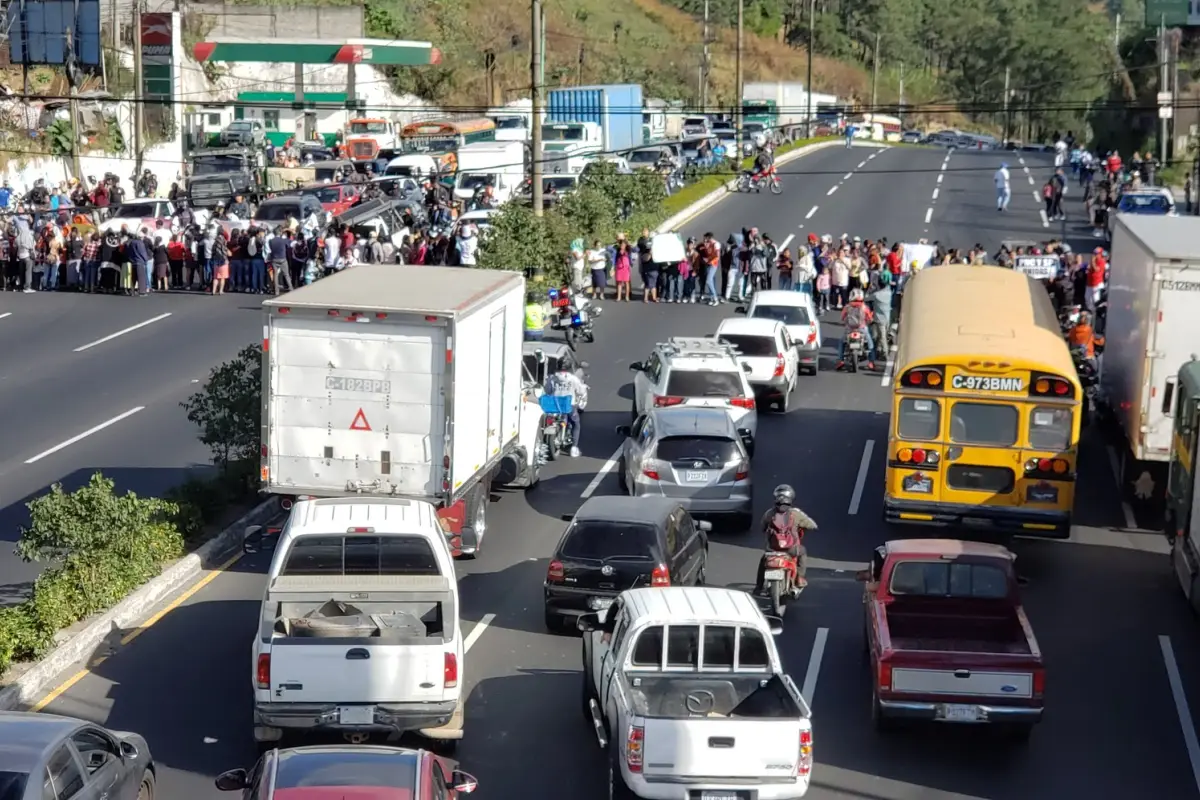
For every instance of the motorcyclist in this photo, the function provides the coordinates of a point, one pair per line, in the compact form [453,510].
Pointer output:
[239,209]
[1082,337]
[785,518]
[763,162]
[857,317]
[565,383]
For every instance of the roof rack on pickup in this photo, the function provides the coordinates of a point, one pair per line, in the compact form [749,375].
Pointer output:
[701,346]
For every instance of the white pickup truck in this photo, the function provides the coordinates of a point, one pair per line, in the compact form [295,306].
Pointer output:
[359,631]
[686,692]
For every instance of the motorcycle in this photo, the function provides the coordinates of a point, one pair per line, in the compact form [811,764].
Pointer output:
[781,579]
[574,316]
[856,345]
[556,432]
[748,181]
[1068,317]
[1089,379]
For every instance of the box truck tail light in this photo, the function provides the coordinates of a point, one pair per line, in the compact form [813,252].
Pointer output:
[805,764]
[266,339]
[450,671]
[262,450]
[262,674]
[446,475]
[333,312]
[284,310]
[633,747]
[555,572]
[380,315]
[449,348]
[885,676]
[1039,682]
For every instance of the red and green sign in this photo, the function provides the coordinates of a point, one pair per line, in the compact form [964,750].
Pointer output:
[379,52]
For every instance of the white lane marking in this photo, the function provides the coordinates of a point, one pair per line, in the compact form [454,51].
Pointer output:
[1031,180]
[863,467]
[832,189]
[477,631]
[944,166]
[1026,170]
[130,329]
[1114,464]
[604,470]
[787,241]
[887,371]
[939,180]
[847,176]
[873,155]
[928,215]
[1021,159]
[861,164]
[84,435]
[810,213]
[1045,221]
[1037,197]
[935,193]
[6,314]
[1181,707]
[814,666]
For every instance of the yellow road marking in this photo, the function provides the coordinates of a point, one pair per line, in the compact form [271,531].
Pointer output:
[66,685]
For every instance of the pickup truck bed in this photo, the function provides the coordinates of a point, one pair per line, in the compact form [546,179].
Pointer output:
[737,697]
[916,629]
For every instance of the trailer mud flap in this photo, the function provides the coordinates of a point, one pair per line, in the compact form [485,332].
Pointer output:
[452,518]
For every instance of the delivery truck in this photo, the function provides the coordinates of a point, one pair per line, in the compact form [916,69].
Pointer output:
[1152,329]
[388,381]
[616,109]
[778,105]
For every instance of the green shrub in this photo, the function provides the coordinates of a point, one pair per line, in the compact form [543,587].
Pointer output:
[99,545]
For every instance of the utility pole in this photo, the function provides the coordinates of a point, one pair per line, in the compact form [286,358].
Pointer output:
[808,87]
[738,81]
[900,106]
[1174,44]
[535,74]
[1007,74]
[579,69]
[704,65]
[1163,78]
[542,39]
[875,75]
[139,105]
[73,84]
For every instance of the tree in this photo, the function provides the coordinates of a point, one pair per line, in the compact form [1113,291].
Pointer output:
[228,409]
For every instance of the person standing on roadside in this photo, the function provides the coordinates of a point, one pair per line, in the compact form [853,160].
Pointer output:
[710,252]
[277,249]
[1001,179]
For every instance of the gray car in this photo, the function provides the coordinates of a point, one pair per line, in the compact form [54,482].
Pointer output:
[692,455]
[48,757]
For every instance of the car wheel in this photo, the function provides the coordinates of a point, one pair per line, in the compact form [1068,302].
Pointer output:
[786,401]
[622,480]
[146,789]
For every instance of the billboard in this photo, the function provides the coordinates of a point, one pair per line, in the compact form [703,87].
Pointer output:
[157,41]
[1172,13]
[37,31]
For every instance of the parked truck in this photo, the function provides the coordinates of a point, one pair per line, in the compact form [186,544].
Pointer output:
[418,397]
[1151,329]
[777,105]
[947,638]
[610,115]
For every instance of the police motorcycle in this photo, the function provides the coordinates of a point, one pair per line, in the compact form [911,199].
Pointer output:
[573,314]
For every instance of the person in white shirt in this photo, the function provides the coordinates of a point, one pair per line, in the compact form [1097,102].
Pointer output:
[467,246]
[1060,153]
[1003,188]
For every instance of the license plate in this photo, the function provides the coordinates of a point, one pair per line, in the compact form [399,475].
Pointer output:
[718,796]
[696,476]
[773,575]
[600,603]
[356,715]
[958,713]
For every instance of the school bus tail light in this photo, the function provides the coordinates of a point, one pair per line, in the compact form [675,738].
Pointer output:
[919,455]
[1049,386]
[923,378]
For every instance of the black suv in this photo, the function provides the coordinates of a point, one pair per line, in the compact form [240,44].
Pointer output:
[618,543]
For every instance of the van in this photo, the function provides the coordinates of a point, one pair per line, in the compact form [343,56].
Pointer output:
[500,165]
[359,629]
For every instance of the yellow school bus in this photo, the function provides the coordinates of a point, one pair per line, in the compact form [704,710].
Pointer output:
[986,406]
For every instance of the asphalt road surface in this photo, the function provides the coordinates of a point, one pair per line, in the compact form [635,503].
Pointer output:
[1102,605]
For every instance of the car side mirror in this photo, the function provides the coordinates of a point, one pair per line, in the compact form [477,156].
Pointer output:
[740,310]
[463,782]
[863,576]
[623,430]
[587,622]
[128,750]
[746,367]
[637,366]
[704,525]
[774,624]
[566,517]
[232,781]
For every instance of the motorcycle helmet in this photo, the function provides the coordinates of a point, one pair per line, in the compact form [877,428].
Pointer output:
[784,495]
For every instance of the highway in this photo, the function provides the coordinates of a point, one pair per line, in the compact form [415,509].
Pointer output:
[1103,604]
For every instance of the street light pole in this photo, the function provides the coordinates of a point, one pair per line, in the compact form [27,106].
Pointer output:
[808,87]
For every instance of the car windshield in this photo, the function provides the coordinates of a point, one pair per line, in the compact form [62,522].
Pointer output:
[788,315]
[1144,204]
[332,195]
[558,184]
[714,450]
[598,539]
[216,165]
[752,346]
[643,156]
[368,127]
[509,123]
[136,210]
[474,180]
[754,127]
[239,126]
[354,554]
[12,785]
[704,384]
[300,769]
[277,212]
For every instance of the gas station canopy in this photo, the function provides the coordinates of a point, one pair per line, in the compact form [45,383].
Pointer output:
[380,52]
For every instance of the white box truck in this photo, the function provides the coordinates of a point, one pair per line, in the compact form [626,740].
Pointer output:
[395,381]
[499,164]
[1153,328]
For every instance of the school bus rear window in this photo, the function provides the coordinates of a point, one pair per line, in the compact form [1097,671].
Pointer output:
[1050,428]
[920,418]
[983,423]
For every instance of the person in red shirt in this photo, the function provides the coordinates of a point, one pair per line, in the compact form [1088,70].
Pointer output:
[1097,271]
[1114,163]
[895,261]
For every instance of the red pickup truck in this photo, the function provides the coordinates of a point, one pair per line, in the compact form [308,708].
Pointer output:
[947,638]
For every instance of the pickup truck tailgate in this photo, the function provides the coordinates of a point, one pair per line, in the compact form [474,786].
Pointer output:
[965,682]
[722,748]
[354,673]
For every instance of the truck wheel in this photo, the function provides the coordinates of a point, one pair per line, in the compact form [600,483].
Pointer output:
[477,504]
[617,788]
[622,482]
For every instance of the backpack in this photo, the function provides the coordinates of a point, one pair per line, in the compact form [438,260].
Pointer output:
[855,318]
[1047,191]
